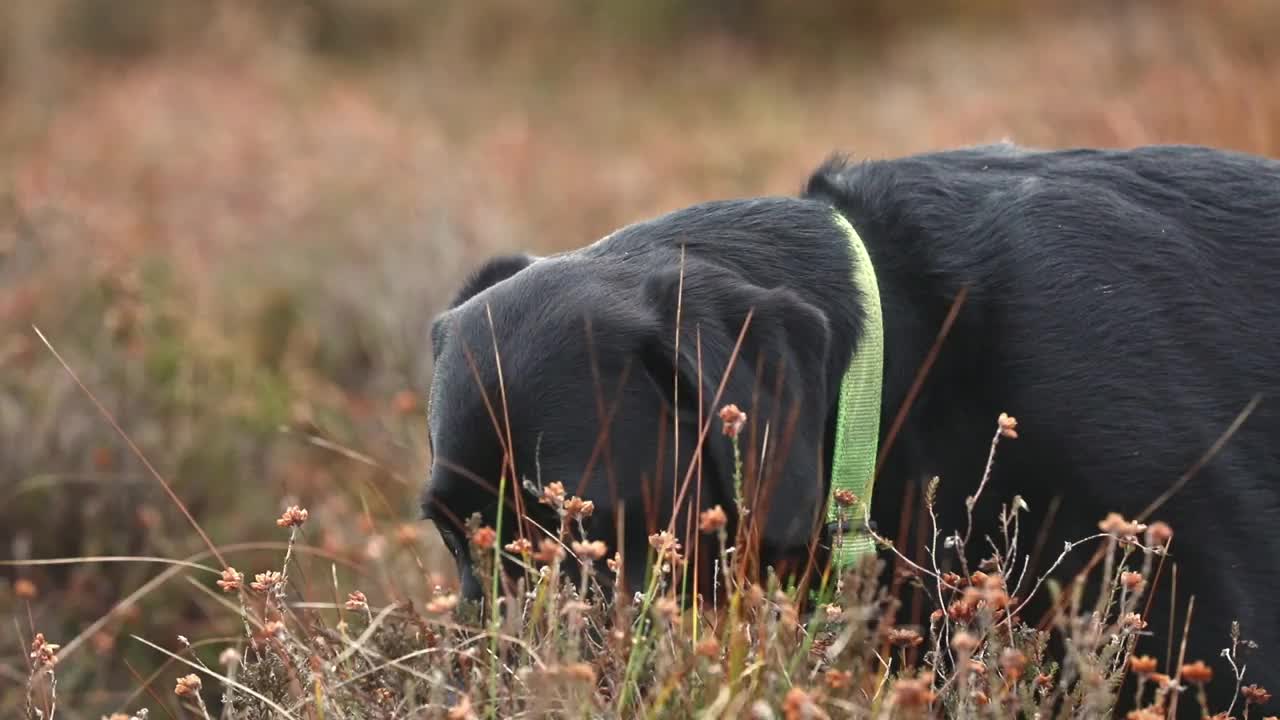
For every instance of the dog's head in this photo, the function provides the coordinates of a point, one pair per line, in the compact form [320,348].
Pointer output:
[574,363]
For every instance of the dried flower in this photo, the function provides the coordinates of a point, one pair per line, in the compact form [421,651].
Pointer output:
[708,648]
[1143,664]
[833,612]
[712,520]
[294,517]
[1197,673]
[1008,426]
[1044,681]
[265,582]
[357,601]
[576,508]
[798,704]
[977,667]
[229,657]
[187,685]
[553,495]
[549,551]
[1255,695]
[905,637]
[838,679]
[1133,621]
[1013,661]
[733,419]
[667,546]
[484,538]
[581,672]
[1159,534]
[667,608]
[980,698]
[24,589]
[1132,581]
[913,692]
[1161,680]
[462,711]
[963,642]
[519,546]
[615,563]
[442,604]
[232,579]
[43,653]
[592,551]
[952,580]
[1115,524]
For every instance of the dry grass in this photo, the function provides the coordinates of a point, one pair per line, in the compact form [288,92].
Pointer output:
[235,235]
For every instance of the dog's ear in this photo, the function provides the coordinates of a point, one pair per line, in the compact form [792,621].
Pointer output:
[779,378]
[494,271]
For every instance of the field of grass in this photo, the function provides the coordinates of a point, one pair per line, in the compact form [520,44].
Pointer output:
[233,227]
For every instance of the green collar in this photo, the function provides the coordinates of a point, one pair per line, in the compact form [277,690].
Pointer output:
[858,419]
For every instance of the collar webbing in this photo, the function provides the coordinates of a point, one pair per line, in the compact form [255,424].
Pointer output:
[858,417]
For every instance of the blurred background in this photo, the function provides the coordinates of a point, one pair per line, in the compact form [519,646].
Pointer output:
[235,220]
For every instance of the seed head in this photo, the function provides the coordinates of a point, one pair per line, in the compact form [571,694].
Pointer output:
[912,692]
[1013,661]
[1143,664]
[667,608]
[553,495]
[667,546]
[1008,426]
[1197,673]
[905,637]
[592,551]
[964,642]
[1132,581]
[581,672]
[798,704]
[1044,681]
[187,686]
[712,520]
[294,517]
[357,601]
[1133,621]
[838,679]
[833,612]
[549,551]
[484,538]
[519,546]
[24,589]
[615,563]
[1115,524]
[733,419]
[846,498]
[232,579]
[980,698]
[576,508]
[229,657]
[1255,695]
[1159,534]
[43,652]
[265,582]
[708,648]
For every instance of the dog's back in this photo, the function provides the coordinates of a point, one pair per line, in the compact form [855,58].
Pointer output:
[1123,304]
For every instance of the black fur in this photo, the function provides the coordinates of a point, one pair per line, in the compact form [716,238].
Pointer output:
[1122,304]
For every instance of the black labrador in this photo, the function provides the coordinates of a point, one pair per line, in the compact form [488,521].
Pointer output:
[1124,305]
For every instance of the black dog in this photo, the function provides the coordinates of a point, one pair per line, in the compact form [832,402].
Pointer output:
[1121,304]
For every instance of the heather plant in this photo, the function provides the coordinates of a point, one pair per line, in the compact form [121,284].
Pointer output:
[545,644]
